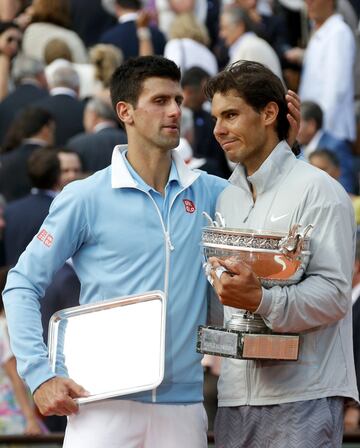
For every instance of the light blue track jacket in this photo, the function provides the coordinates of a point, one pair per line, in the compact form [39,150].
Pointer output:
[122,243]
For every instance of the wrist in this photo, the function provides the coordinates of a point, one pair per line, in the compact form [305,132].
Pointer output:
[143,33]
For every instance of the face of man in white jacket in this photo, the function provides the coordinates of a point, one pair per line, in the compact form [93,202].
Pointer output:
[246,135]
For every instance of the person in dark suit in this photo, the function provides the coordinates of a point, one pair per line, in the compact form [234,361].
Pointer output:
[311,137]
[125,34]
[23,219]
[28,75]
[33,127]
[204,144]
[89,19]
[95,146]
[63,102]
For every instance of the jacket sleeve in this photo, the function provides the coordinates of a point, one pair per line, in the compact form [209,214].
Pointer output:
[324,294]
[61,235]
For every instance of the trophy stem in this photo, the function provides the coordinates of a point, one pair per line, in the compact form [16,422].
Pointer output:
[247,322]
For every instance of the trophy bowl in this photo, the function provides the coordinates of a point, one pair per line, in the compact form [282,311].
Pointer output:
[276,258]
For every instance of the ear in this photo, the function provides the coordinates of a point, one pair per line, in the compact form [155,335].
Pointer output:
[270,113]
[125,112]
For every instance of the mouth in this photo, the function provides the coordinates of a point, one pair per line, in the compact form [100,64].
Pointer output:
[172,128]
[227,143]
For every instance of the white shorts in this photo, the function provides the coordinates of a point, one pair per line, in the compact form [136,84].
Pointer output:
[130,424]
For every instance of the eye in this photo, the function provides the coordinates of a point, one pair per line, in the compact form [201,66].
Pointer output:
[160,100]
[231,115]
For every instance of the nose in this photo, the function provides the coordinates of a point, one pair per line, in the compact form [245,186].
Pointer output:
[219,129]
[175,109]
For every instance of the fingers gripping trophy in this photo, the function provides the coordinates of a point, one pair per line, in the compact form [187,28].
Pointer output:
[277,260]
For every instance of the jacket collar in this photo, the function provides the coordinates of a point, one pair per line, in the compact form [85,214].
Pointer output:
[279,162]
[121,178]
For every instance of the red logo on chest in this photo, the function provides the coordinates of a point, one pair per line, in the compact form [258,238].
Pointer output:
[189,206]
[45,237]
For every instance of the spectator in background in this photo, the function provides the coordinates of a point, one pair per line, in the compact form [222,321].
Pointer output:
[271,27]
[327,161]
[30,85]
[51,19]
[63,102]
[17,412]
[24,216]
[10,40]
[95,146]
[89,20]
[204,145]
[188,45]
[23,220]
[243,44]
[167,11]
[32,128]
[312,136]
[328,68]
[105,58]
[70,167]
[126,35]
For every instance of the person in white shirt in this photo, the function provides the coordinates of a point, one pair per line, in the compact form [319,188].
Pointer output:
[243,43]
[328,68]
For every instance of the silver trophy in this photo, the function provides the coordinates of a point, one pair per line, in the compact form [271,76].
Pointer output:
[276,259]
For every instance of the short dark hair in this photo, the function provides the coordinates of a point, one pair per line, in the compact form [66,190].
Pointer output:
[194,76]
[44,168]
[257,85]
[327,154]
[312,111]
[129,4]
[4,26]
[127,80]
[27,123]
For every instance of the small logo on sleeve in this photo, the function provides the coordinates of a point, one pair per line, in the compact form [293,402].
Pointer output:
[45,237]
[189,206]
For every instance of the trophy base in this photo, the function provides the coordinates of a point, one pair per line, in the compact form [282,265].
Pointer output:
[243,345]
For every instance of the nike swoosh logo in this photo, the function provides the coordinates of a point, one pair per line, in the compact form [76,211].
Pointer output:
[277,218]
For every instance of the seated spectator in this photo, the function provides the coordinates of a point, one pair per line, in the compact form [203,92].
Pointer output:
[312,136]
[188,45]
[95,146]
[63,102]
[10,39]
[51,19]
[32,128]
[17,413]
[125,34]
[30,85]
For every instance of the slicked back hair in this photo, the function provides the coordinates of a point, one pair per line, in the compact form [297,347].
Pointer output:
[127,81]
[257,85]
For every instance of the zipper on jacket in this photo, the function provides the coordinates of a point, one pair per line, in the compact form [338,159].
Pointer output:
[249,212]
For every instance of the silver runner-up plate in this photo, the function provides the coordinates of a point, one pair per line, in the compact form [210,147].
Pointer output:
[111,348]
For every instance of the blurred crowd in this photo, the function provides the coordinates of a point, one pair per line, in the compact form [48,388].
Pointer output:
[57,123]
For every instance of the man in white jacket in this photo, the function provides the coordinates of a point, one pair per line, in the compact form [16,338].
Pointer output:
[286,403]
